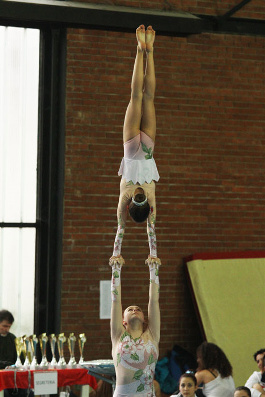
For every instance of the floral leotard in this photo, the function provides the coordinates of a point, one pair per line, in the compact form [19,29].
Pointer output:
[140,357]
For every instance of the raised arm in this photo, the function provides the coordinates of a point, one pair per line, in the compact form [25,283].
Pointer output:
[116,308]
[152,235]
[121,217]
[153,306]
[151,220]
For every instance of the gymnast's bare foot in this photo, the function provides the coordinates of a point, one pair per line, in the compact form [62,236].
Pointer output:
[149,38]
[140,35]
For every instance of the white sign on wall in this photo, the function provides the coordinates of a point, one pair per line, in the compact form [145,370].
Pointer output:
[105,299]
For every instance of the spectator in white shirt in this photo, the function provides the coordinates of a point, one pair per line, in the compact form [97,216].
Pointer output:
[256,382]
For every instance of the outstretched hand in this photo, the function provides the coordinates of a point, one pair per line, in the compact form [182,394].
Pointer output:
[151,260]
[116,260]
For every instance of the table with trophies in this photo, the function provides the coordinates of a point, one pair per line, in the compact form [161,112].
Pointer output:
[66,373]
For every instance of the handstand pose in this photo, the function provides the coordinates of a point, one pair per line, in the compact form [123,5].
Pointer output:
[135,349]
[138,167]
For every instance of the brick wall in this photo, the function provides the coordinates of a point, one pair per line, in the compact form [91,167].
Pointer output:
[210,155]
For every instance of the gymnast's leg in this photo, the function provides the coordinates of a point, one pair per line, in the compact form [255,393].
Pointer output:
[132,120]
[148,122]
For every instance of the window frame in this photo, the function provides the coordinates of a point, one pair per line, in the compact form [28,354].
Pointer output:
[50,179]
[50,176]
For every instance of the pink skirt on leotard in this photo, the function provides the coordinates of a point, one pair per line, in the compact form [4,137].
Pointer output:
[138,164]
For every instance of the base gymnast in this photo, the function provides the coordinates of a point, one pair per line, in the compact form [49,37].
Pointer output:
[135,346]
[138,168]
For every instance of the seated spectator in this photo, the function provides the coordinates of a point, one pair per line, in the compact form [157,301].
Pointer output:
[242,391]
[214,371]
[187,385]
[8,353]
[256,381]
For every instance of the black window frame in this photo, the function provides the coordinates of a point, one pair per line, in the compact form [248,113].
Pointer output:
[50,175]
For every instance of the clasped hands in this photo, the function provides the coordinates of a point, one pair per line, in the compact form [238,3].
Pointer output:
[118,260]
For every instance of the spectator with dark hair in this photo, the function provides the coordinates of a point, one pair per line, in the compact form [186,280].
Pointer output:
[187,385]
[8,354]
[242,391]
[6,315]
[214,371]
[256,381]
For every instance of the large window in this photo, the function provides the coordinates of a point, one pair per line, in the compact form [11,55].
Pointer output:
[19,82]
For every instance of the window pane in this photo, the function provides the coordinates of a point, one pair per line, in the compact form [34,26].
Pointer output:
[17,274]
[19,77]
[19,81]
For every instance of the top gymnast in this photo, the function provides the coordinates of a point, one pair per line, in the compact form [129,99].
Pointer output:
[138,168]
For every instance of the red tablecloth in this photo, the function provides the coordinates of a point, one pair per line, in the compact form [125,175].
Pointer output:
[66,377]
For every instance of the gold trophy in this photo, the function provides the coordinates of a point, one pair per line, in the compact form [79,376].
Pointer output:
[61,339]
[19,346]
[71,346]
[33,343]
[26,346]
[53,340]
[81,342]
[43,339]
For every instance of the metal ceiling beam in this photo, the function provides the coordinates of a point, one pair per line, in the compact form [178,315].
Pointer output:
[226,24]
[101,16]
[239,26]
[236,8]
[36,13]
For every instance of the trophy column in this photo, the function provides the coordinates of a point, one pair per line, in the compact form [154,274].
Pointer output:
[26,345]
[61,340]
[81,341]
[53,340]
[71,346]
[33,343]
[43,339]
[19,345]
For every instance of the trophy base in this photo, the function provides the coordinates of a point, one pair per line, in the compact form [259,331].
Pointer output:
[44,362]
[34,363]
[72,363]
[61,363]
[26,364]
[18,363]
[53,364]
[42,367]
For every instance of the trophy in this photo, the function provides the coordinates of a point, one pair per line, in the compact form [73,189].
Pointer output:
[43,339]
[26,345]
[60,340]
[71,346]
[19,346]
[33,343]
[81,342]
[53,340]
